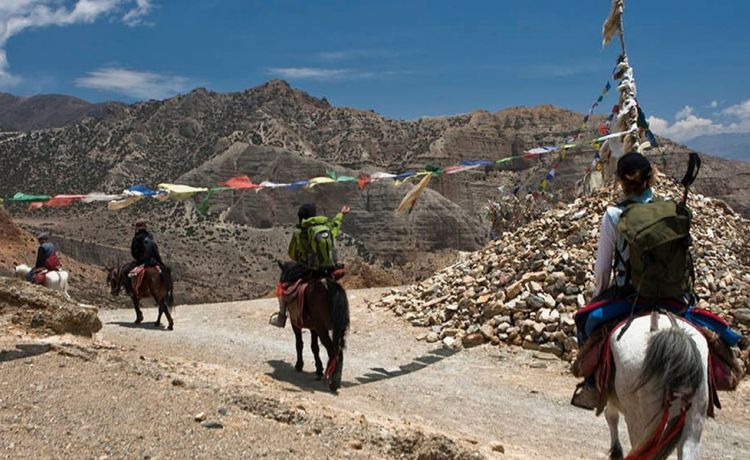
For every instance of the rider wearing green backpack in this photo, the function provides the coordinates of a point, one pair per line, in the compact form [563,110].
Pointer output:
[312,246]
[645,242]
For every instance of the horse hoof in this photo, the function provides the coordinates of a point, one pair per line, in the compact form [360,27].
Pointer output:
[333,386]
[138,320]
[170,328]
[298,367]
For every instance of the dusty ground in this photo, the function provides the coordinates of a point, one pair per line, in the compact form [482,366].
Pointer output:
[134,393]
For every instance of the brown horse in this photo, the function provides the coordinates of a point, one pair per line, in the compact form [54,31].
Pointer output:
[326,308]
[156,285]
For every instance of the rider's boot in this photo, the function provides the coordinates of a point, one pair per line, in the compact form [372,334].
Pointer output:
[279,319]
[586,395]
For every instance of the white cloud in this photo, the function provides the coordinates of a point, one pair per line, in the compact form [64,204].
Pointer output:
[135,16]
[17,16]
[688,125]
[318,73]
[346,54]
[684,113]
[141,85]
[741,110]
[714,104]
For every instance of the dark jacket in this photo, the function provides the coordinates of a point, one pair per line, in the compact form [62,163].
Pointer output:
[144,250]
[44,252]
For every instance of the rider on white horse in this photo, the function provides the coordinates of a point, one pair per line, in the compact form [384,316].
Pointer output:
[636,176]
[46,257]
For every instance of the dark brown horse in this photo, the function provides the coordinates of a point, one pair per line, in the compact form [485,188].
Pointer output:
[326,309]
[156,285]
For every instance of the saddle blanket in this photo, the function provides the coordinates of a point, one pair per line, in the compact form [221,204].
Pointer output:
[136,276]
[293,296]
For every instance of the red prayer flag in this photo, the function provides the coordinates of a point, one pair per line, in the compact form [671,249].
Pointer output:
[60,201]
[363,181]
[240,183]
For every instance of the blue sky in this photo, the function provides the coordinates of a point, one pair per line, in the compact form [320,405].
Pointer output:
[402,58]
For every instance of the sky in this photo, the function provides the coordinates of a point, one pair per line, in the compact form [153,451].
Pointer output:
[402,58]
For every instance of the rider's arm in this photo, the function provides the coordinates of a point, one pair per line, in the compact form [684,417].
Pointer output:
[41,257]
[336,224]
[604,254]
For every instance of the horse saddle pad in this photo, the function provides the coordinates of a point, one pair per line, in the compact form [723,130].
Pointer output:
[136,275]
[293,296]
[40,277]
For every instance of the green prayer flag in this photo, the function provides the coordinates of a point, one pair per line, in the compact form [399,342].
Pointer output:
[23,197]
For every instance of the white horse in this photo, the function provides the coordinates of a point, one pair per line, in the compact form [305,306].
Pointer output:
[661,381]
[56,280]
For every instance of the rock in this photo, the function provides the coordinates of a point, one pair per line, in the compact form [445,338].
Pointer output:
[212,425]
[742,315]
[432,337]
[551,347]
[222,411]
[200,416]
[473,339]
[513,290]
[355,444]
[178,382]
[534,301]
[487,331]
[497,447]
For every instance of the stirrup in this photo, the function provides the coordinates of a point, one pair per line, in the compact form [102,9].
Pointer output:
[580,394]
[276,320]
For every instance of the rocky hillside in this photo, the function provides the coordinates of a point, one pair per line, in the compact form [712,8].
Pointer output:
[276,132]
[48,111]
[524,288]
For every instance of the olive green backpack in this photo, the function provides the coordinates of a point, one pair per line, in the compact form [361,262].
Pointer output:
[319,242]
[658,237]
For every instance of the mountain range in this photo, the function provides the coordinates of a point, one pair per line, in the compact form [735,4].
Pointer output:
[276,132]
[48,111]
[734,146]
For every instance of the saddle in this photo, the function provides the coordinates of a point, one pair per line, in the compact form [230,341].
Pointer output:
[136,277]
[40,276]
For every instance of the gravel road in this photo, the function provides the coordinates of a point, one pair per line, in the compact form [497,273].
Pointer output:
[483,396]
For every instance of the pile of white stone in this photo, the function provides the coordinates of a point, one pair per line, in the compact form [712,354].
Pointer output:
[524,288]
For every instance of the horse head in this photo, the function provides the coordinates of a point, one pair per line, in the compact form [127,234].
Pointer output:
[113,280]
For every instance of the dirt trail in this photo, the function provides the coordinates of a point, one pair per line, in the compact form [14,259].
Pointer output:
[483,395]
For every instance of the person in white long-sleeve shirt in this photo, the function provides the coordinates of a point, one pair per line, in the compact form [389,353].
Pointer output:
[636,176]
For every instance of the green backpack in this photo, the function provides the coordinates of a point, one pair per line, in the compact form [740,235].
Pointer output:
[319,238]
[658,237]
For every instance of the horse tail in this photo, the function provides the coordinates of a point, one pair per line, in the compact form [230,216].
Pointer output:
[166,275]
[339,314]
[673,365]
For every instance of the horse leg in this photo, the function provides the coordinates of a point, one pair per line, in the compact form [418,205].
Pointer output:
[333,361]
[158,317]
[138,313]
[613,417]
[315,346]
[689,446]
[163,306]
[300,345]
